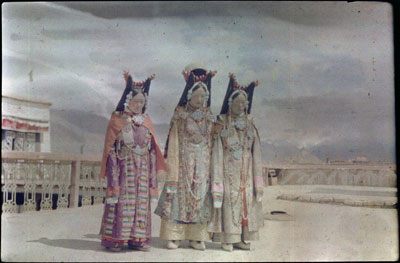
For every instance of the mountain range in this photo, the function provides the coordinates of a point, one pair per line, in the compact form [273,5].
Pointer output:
[75,131]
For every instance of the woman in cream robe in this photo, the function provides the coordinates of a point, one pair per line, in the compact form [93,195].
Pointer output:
[184,204]
[236,171]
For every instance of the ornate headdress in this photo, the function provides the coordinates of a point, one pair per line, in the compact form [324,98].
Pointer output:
[235,88]
[132,88]
[196,75]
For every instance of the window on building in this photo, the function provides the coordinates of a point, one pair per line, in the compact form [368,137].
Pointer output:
[19,141]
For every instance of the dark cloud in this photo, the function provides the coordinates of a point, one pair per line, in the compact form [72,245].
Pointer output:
[111,10]
[317,13]
[323,13]
[334,109]
[322,79]
[349,149]
[329,123]
[30,11]
[80,34]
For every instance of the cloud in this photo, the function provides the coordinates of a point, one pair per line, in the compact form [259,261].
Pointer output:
[31,11]
[80,34]
[325,70]
[312,120]
[303,13]
[349,149]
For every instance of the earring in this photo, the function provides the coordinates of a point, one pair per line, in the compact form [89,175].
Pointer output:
[189,95]
[205,101]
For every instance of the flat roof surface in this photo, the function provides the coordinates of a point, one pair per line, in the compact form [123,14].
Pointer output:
[19,98]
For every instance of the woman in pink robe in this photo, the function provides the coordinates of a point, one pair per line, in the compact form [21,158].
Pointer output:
[131,161]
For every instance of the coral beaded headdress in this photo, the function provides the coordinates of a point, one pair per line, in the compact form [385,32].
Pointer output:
[234,88]
[133,88]
[196,75]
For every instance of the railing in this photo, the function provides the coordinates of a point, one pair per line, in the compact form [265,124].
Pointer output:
[376,175]
[34,181]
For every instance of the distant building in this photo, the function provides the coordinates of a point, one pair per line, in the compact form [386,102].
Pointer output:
[338,161]
[361,159]
[25,125]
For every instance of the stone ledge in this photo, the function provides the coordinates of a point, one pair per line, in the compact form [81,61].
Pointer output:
[364,202]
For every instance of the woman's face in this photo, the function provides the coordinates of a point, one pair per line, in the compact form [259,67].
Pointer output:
[137,103]
[238,104]
[198,97]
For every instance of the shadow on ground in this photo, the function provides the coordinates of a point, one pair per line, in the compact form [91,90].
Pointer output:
[278,217]
[94,236]
[79,244]
[76,244]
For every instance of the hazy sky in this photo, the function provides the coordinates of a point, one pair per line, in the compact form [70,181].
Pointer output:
[325,69]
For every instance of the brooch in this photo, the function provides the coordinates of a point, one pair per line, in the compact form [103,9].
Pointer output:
[237,154]
[197,115]
[224,133]
[138,119]
[240,124]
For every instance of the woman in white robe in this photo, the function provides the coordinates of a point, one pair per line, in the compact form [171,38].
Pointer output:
[184,205]
[236,171]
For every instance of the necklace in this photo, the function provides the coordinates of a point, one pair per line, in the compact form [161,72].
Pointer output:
[194,201]
[239,122]
[138,119]
[237,154]
[197,115]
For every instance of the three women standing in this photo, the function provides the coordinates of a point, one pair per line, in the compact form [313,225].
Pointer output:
[214,183]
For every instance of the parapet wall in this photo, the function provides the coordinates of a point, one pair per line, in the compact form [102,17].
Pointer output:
[382,177]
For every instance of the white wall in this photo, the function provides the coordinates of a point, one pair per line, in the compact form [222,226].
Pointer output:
[32,111]
[25,109]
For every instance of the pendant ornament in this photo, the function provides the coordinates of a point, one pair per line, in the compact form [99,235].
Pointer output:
[138,119]
[240,124]
[237,154]
[197,115]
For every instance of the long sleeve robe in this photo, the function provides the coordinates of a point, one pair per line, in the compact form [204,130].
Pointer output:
[229,206]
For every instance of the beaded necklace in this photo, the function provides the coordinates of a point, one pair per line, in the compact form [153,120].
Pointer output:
[243,141]
[195,200]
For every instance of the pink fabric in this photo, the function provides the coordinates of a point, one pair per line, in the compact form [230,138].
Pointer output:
[218,187]
[114,127]
[258,181]
[112,191]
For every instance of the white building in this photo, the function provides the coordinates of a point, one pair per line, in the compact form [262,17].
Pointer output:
[25,125]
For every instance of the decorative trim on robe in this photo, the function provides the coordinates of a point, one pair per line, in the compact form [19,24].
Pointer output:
[217,194]
[117,122]
[171,182]
[217,185]
[257,167]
